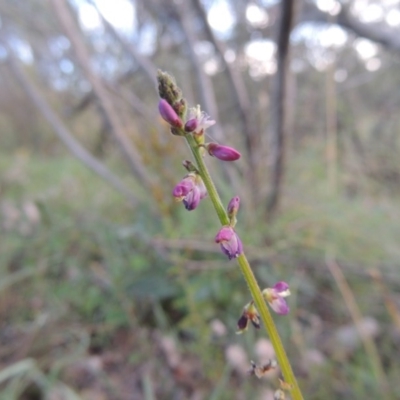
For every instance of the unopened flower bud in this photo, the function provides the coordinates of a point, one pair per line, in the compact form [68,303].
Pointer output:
[169,114]
[232,209]
[229,241]
[224,153]
[167,88]
[191,125]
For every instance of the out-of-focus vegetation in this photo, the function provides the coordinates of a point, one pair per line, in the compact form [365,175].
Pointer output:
[109,289]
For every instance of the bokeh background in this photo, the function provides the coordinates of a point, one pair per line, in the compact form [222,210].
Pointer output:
[111,290]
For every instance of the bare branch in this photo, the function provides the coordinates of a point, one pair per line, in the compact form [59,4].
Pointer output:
[71,29]
[278,100]
[143,62]
[240,95]
[379,33]
[238,87]
[64,134]
[203,81]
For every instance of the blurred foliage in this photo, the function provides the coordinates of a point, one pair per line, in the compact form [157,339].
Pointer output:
[101,299]
[83,266]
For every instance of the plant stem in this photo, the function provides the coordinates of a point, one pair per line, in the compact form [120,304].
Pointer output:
[248,274]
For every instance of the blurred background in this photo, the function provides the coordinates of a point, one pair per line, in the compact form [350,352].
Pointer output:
[111,290]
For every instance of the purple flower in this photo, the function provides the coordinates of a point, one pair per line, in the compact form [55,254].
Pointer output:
[249,314]
[275,296]
[190,190]
[169,114]
[224,153]
[198,121]
[229,241]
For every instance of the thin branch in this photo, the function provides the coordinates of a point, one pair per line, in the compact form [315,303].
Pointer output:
[279,110]
[143,62]
[204,83]
[379,33]
[356,315]
[131,154]
[64,134]
[118,89]
[237,86]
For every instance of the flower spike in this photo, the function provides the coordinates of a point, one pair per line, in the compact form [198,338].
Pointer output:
[229,241]
[275,297]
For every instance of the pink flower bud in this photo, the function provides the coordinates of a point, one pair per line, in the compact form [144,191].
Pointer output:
[224,153]
[233,206]
[191,125]
[169,114]
[229,241]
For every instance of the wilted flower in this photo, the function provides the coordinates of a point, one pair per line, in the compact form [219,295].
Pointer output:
[279,395]
[261,370]
[249,314]
[229,241]
[275,297]
[224,153]
[169,114]
[190,190]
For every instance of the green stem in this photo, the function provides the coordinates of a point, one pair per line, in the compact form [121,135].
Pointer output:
[248,274]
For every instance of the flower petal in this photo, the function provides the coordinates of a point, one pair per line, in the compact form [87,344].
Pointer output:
[280,306]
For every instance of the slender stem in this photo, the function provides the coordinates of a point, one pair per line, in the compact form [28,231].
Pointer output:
[248,274]
[208,182]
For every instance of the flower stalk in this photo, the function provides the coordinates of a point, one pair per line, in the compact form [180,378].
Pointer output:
[249,277]
[195,186]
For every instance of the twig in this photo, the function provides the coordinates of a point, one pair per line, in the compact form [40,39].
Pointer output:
[131,154]
[237,86]
[279,110]
[144,63]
